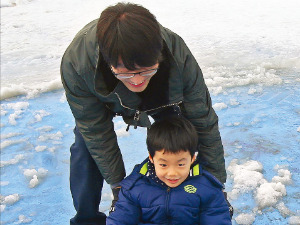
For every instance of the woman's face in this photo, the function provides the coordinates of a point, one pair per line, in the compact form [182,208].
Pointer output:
[140,77]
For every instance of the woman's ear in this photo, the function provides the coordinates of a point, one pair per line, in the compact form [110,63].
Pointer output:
[150,158]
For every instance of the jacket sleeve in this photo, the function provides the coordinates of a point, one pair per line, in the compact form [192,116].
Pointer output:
[127,212]
[214,209]
[197,107]
[94,122]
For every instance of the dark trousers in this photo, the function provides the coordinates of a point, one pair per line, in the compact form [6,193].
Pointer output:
[86,184]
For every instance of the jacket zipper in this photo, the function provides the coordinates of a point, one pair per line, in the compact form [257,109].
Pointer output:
[167,204]
[160,107]
[138,112]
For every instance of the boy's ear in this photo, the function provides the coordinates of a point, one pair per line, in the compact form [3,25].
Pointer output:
[194,158]
[150,158]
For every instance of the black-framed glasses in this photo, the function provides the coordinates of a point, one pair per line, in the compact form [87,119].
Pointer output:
[145,73]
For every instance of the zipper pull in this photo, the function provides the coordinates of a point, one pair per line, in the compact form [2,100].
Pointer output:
[136,118]
[177,109]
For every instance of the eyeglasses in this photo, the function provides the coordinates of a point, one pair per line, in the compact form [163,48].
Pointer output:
[145,73]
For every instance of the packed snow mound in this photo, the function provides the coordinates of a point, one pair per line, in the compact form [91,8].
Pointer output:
[248,177]
[245,218]
[12,3]
[268,194]
[10,199]
[35,176]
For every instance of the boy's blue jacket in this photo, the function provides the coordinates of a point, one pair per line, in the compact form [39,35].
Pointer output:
[198,200]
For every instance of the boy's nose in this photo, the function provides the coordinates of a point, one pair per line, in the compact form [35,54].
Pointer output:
[172,173]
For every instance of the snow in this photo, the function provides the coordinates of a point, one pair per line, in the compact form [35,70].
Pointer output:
[294,220]
[23,219]
[10,199]
[245,219]
[219,106]
[268,194]
[12,161]
[249,55]
[242,173]
[40,114]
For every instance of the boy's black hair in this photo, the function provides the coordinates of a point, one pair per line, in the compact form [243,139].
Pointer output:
[131,32]
[173,135]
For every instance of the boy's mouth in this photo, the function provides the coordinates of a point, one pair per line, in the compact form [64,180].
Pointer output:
[173,181]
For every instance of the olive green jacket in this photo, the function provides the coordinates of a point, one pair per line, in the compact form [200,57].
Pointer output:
[94,107]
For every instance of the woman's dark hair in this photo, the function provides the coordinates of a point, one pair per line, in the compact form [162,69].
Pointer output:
[172,135]
[131,32]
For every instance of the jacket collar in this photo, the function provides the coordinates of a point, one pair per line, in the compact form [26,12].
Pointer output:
[196,169]
[147,169]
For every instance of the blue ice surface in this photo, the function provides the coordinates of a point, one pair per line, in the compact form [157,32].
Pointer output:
[267,131]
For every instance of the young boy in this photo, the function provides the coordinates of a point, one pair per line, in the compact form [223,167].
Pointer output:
[169,187]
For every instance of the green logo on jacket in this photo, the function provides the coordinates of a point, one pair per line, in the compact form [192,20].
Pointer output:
[190,189]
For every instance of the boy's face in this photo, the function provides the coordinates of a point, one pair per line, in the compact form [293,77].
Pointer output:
[172,168]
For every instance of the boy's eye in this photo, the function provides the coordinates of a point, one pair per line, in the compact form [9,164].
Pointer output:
[163,165]
[181,164]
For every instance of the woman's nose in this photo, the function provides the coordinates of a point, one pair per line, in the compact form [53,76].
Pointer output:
[137,79]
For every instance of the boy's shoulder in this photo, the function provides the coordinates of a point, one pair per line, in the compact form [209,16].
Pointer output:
[204,178]
[137,174]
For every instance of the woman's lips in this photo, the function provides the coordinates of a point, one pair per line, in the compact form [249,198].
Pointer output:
[137,85]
